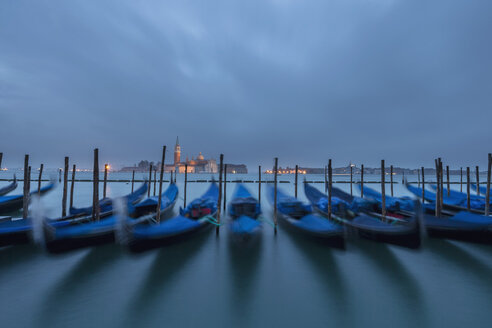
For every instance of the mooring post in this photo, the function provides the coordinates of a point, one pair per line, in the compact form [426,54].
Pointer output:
[423,186]
[259,183]
[383,192]
[447,178]
[461,179]
[25,198]
[362,181]
[438,197]
[418,178]
[225,187]
[171,180]
[159,200]
[29,180]
[441,194]
[95,191]
[468,188]
[65,188]
[478,180]
[351,179]
[105,179]
[72,187]
[59,175]
[330,182]
[326,179]
[150,180]
[185,183]
[275,169]
[295,181]
[133,179]
[391,179]
[1,157]
[221,170]
[155,178]
[40,177]
[487,191]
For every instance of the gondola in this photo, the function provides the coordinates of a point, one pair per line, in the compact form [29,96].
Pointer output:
[463,226]
[297,217]
[106,204]
[5,190]
[17,231]
[198,216]
[350,213]
[450,204]
[9,204]
[476,202]
[67,238]
[244,212]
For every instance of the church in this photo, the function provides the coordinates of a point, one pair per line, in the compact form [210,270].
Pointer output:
[195,165]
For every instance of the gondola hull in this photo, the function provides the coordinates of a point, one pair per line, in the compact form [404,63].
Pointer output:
[334,239]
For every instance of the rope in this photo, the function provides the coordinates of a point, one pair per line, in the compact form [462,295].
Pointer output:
[210,219]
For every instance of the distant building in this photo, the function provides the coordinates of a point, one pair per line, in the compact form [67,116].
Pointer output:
[198,165]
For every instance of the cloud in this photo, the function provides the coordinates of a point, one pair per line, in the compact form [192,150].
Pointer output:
[302,80]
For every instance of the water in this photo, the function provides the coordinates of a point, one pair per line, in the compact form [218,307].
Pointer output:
[284,281]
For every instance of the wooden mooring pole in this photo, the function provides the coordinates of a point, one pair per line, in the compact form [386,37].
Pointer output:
[423,186]
[351,179]
[95,191]
[468,188]
[447,179]
[461,179]
[59,175]
[275,170]
[225,187]
[259,183]
[383,193]
[25,199]
[362,181]
[438,197]
[441,194]
[185,183]
[326,180]
[105,182]
[487,191]
[133,179]
[65,187]
[72,187]
[295,181]
[40,177]
[391,179]
[221,170]
[418,177]
[330,182]
[1,157]
[150,180]
[155,179]
[159,201]
[478,180]
[171,180]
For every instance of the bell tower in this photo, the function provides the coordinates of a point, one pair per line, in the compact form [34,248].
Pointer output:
[177,152]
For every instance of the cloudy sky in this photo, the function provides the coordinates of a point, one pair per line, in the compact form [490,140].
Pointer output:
[352,80]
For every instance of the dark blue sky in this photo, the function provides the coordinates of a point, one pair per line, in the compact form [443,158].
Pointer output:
[355,80]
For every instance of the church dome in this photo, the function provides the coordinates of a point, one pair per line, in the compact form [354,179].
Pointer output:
[200,157]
